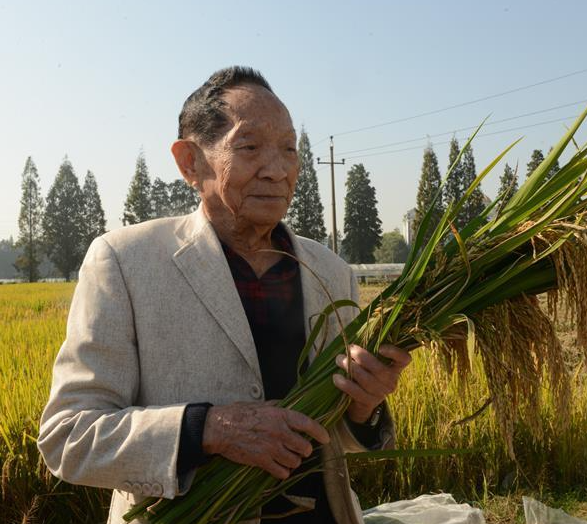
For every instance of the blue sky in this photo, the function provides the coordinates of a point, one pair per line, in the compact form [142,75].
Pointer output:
[99,80]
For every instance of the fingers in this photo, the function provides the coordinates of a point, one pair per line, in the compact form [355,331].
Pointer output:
[356,392]
[399,357]
[262,435]
[305,424]
[286,458]
[369,361]
[369,372]
[289,448]
[273,468]
[296,443]
[370,380]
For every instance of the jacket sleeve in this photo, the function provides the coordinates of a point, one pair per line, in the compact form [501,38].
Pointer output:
[91,432]
[351,441]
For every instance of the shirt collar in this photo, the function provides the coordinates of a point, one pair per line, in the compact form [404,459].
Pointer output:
[286,267]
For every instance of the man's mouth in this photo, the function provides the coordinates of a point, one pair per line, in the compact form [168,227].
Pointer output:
[269,197]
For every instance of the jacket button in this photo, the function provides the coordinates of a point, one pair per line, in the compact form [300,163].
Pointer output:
[136,488]
[147,488]
[256,391]
[126,486]
[156,489]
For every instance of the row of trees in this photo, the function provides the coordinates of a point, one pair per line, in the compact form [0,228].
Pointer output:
[146,200]
[362,226]
[62,226]
[508,183]
[461,177]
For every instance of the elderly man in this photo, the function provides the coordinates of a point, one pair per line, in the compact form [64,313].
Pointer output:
[183,330]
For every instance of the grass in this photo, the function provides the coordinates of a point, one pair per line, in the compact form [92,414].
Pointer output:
[554,471]
[508,509]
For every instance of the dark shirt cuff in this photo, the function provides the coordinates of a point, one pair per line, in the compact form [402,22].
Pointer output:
[190,454]
[368,436]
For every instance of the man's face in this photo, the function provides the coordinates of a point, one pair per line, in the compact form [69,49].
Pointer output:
[250,172]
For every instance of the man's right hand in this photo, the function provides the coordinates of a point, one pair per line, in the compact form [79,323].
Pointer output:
[262,435]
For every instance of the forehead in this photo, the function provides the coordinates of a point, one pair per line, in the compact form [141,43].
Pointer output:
[251,107]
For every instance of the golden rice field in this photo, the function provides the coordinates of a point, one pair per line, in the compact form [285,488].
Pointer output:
[32,327]
[427,408]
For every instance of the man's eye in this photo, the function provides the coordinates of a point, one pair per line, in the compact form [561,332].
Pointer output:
[250,147]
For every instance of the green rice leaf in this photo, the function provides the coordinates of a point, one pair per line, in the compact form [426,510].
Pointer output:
[536,179]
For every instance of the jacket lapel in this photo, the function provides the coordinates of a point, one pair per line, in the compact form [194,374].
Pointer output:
[315,298]
[203,264]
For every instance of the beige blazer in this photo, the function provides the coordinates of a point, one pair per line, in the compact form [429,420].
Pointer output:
[156,323]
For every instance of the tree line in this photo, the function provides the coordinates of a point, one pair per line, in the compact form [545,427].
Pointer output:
[460,178]
[147,200]
[362,226]
[62,226]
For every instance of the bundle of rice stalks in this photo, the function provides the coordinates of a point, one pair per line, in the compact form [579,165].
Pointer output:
[462,292]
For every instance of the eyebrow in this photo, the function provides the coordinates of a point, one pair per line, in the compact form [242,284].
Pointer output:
[244,131]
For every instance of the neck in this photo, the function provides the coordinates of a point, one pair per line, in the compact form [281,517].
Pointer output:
[250,241]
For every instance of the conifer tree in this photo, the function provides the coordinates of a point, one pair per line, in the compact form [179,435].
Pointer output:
[428,187]
[535,160]
[508,184]
[183,199]
[160,201]
[306,213]
[453,189]
[30,220]
[362,226]
[94,220]
[475,204]
[137,207]
[62,222]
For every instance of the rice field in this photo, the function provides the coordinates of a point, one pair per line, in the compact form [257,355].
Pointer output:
[32,327]
[428,408]
[431,410]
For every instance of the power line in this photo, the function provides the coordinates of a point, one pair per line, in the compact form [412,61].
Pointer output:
[455,106]
[469,128]
[479,135]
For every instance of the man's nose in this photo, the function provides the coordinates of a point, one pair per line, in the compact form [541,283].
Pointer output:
[275,166]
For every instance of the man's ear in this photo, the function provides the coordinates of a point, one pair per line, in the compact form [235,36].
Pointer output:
[185,152]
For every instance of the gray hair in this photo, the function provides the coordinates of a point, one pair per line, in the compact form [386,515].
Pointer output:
[202,114]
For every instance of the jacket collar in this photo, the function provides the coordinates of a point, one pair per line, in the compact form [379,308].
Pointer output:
[203,264]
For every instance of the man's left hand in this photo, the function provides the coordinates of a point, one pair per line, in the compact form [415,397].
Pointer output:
[372,380]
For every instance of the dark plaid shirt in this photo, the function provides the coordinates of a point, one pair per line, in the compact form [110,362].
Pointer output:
[274,307]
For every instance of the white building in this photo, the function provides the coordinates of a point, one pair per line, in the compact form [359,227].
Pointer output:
[408,226]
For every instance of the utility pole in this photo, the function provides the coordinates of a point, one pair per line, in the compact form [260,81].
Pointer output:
[332,162]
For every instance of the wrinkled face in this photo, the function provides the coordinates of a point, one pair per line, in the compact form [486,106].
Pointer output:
[250,172]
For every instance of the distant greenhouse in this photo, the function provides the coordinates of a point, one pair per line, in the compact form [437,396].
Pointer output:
[368,272]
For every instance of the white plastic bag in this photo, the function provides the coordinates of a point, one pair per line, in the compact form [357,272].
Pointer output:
[537,513]
[425,509]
